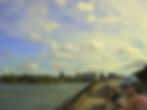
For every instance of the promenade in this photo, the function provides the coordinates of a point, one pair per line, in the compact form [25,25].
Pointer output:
[92,99]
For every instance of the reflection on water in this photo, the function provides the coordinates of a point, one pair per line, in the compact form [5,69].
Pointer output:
[36,97]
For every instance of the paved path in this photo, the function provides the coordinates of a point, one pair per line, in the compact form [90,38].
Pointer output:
[92,99]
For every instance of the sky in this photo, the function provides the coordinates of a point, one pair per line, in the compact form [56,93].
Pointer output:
[49,36]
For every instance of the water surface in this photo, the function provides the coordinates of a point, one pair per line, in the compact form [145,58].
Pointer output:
[36,97]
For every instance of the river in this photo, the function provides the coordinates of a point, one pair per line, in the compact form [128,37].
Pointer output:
[36,97]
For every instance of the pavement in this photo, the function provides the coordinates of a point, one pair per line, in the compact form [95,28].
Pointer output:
[93,99]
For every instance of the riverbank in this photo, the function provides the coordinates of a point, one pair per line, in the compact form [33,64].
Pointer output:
[40,79]
[52,83]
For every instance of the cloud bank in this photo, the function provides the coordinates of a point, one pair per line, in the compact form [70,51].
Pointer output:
[100,35]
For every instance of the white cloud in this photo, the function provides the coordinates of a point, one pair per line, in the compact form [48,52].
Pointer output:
[85,6]
[91,18]
[36,37]
[51,27]
[61,2]
[110,19]
[33,66]
[54,45]
[94,45]
[131,52]
[42,56]
[63,55]
[107,20]
[43,10]
[59,65]
[108,27]
[28,67]
[71,48]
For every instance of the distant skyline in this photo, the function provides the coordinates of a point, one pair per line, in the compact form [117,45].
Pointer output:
[49,36]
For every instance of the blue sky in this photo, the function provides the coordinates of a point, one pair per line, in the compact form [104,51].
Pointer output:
[48,36]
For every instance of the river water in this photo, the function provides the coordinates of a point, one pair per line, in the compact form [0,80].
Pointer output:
[36,97]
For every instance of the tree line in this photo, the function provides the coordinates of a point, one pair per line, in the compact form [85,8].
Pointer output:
[27,78]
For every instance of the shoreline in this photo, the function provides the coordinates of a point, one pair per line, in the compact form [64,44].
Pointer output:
[66,104]
[56,83]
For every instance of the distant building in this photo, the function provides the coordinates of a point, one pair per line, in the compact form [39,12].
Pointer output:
[86,76]
[112,75]
[62,75]
[102,76]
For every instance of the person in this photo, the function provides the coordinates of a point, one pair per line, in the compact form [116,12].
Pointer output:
[135,99]
[111,96]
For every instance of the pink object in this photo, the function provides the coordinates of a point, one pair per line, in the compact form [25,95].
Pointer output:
[144,107]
